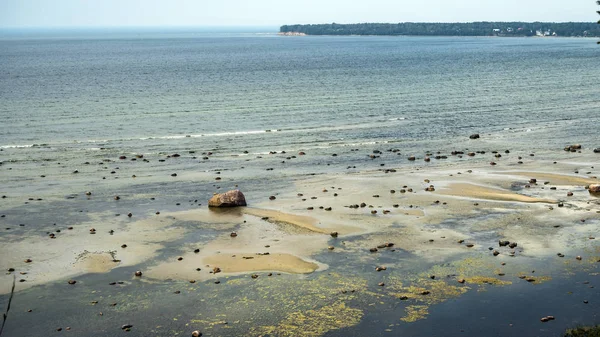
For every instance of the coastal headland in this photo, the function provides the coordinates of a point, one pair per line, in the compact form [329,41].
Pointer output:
[505,29]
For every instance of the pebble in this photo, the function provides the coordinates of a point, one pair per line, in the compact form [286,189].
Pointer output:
[196,333]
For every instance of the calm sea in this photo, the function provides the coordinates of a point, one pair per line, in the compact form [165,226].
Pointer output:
[148,92]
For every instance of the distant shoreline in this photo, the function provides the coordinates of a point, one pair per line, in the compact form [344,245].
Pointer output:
[491,29]
[433,36]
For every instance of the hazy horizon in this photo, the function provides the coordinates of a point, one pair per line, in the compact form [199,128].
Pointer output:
[269,13]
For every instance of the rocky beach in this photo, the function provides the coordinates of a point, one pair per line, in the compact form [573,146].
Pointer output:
[421,233]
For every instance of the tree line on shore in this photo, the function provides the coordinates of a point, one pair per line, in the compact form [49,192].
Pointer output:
[484,28]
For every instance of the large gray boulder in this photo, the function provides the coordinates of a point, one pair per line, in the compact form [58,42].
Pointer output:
[231,198]
[594,188]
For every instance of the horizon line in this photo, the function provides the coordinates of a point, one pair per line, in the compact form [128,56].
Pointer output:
[250,26]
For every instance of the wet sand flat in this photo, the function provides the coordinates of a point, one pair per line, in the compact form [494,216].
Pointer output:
[556,179]
[482,192]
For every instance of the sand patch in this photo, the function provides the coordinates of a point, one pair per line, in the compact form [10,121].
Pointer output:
[76,252]
[556,179]
[412,212]
[300,221]
[488,193]
[96,262]
[240,263]
[270,246]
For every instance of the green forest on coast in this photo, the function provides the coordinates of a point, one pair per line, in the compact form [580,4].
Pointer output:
[565,29]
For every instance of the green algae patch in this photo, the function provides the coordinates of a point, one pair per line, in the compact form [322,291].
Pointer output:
[465,267]
[415,313]
[535,279]
[315,322]
[275,305]
[487,280]
[424,293]
[583,332]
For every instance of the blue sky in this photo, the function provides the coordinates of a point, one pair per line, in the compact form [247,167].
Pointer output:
[64,13]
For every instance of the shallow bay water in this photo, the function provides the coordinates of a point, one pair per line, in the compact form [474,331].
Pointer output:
[320,123]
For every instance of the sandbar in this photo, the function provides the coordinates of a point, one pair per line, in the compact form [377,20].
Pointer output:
[488,193]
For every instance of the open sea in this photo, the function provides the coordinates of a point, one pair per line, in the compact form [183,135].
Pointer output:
[246,104]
